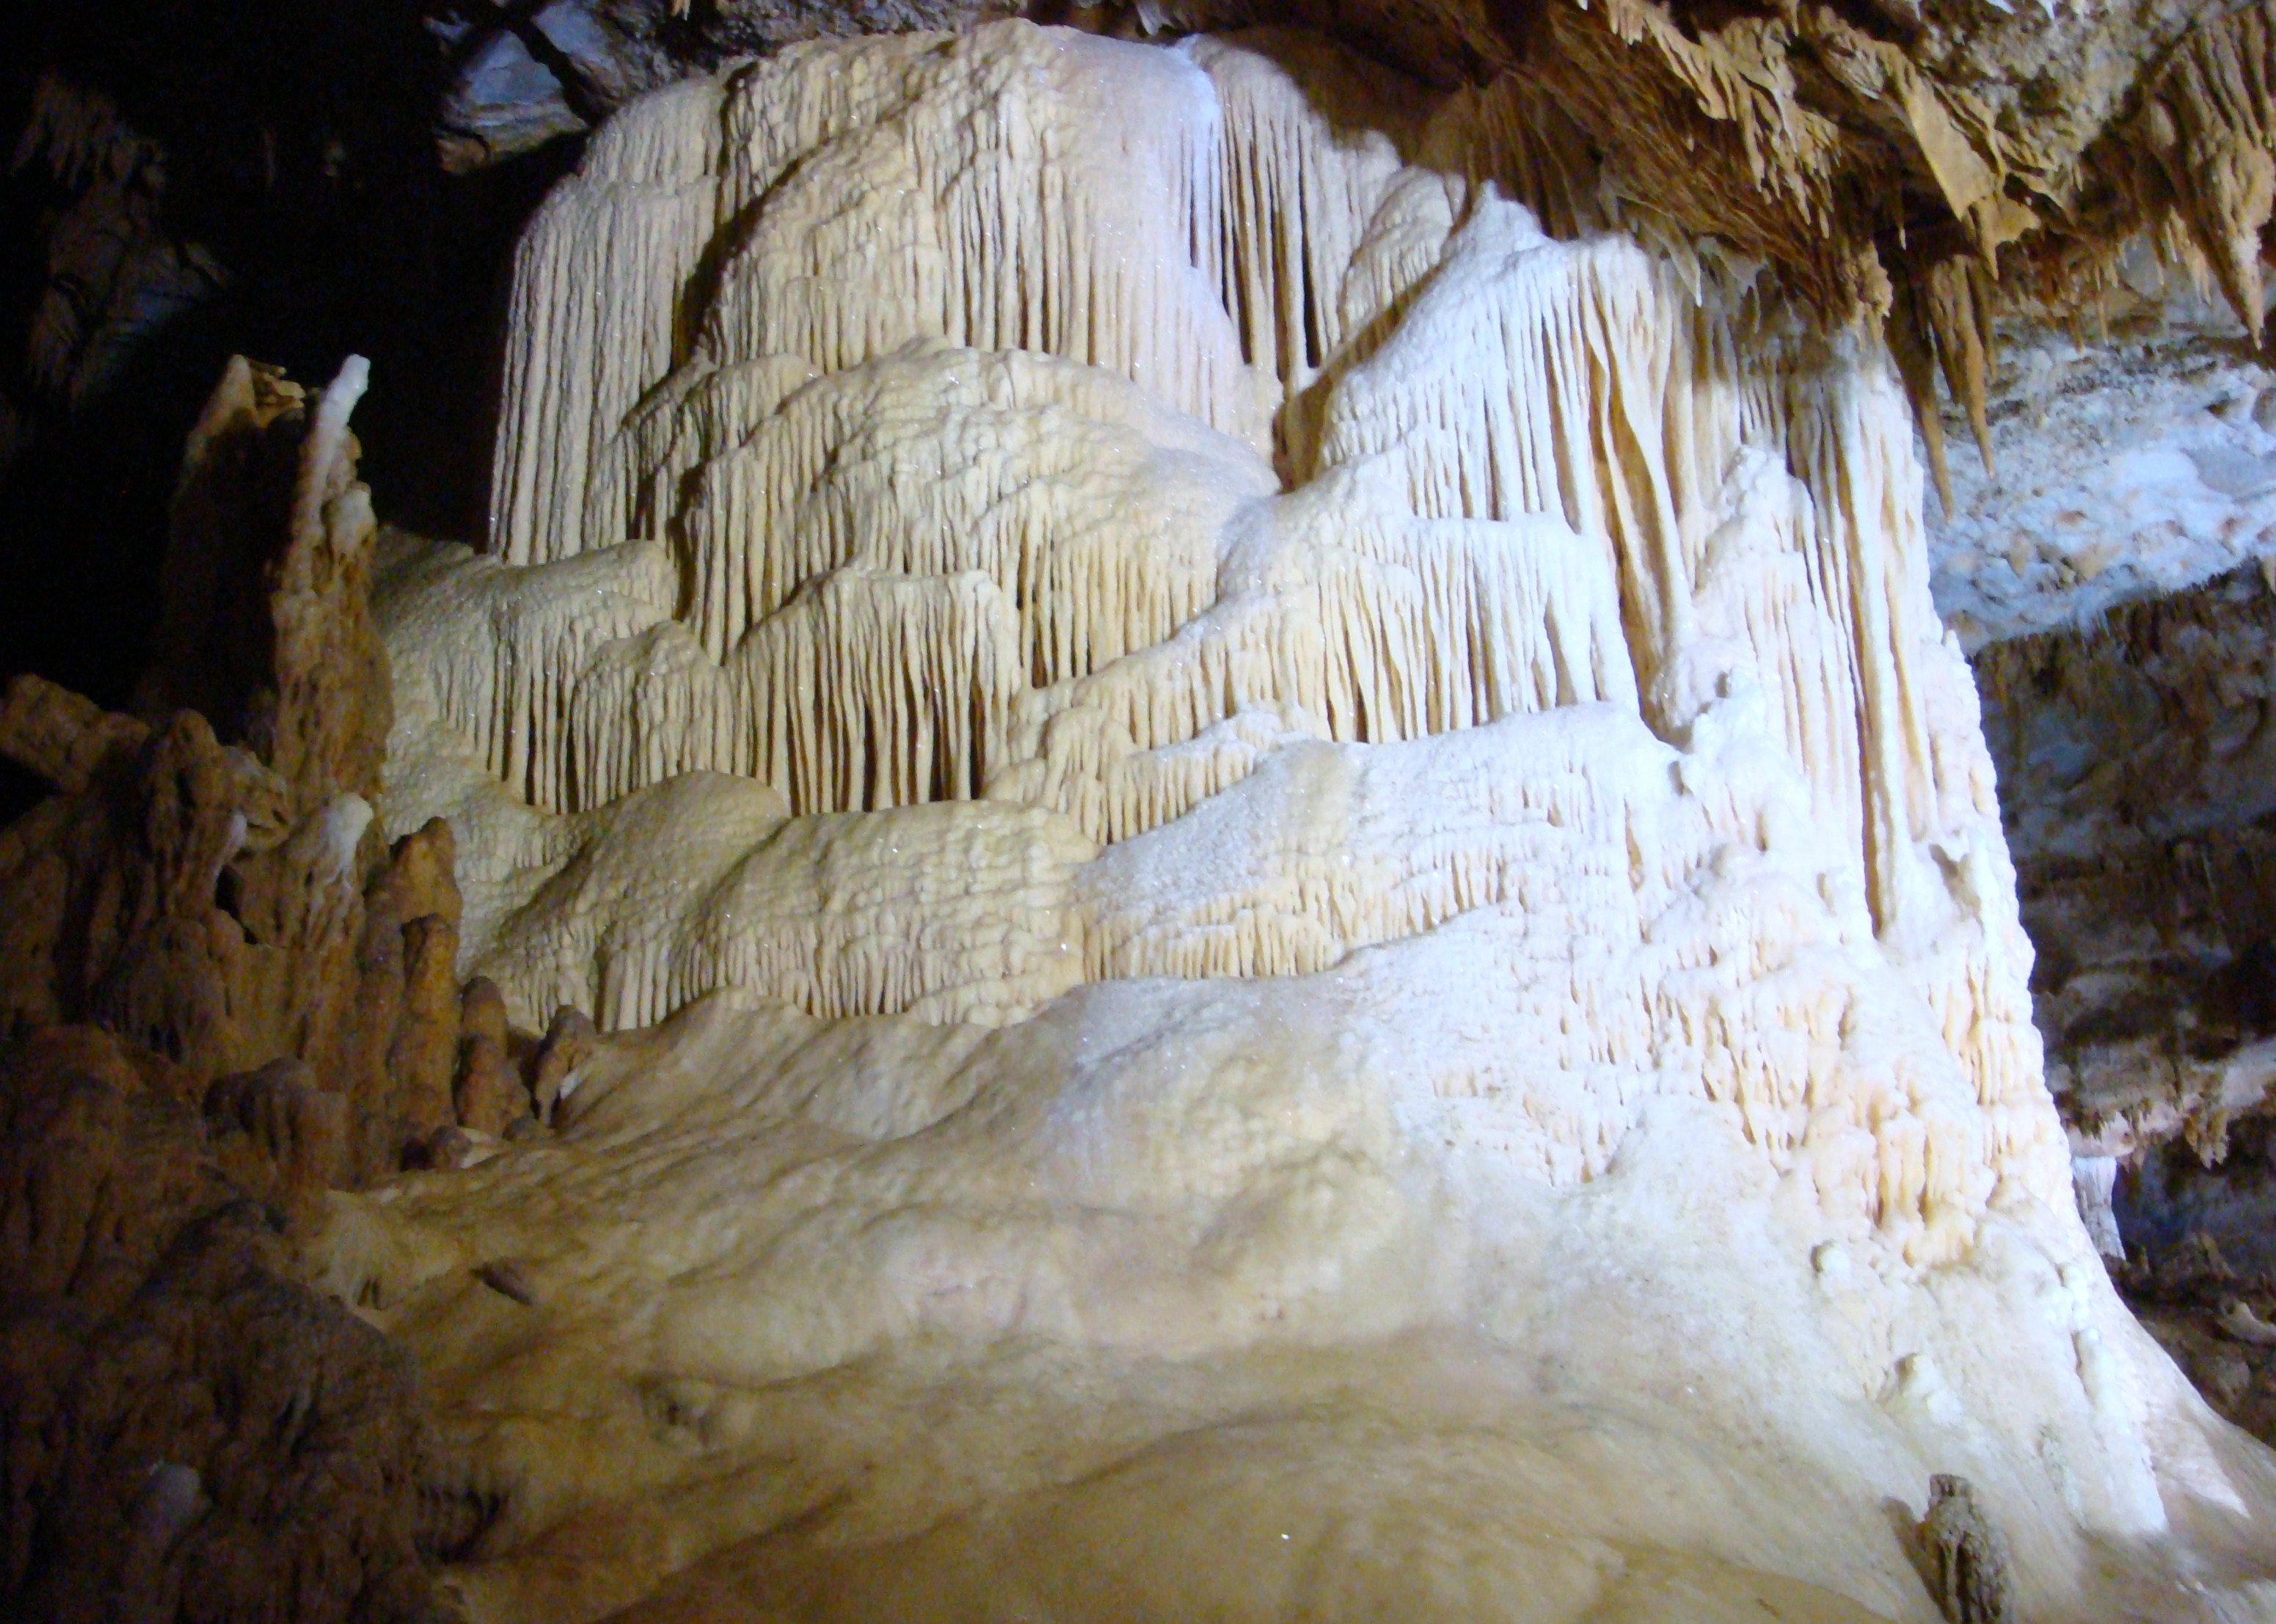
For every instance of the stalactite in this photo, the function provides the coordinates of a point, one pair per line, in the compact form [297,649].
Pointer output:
[1097,514]
[2209,127]
[505,648]
[1298,190]
[1911,348]
[701,411]
[595,317]
[1001,255]
[1523,145]
[863,693]
[1955,296]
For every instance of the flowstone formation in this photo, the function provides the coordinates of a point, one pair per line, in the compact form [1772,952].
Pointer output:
[1295,908]
[2117,585]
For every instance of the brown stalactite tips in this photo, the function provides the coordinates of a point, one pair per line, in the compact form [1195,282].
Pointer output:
[1799,137]
[1912,347]
[2206,126]
[1787,135]
[1956,298]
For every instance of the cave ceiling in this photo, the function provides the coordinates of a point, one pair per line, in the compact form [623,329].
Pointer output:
[1832,142]
[1886,160]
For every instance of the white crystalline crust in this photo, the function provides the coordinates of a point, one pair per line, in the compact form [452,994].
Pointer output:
[1309,801]
[2127,466]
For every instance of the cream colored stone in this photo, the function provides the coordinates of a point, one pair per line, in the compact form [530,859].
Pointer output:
[1300,851]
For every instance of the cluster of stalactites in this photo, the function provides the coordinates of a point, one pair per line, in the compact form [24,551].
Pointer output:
[595,317]
[1941,320]
[1263,236]
[1584,381]
[2190,171]
[953,474]
[1349,621]
[1362,626]
[2196,162]
[834,507]
[868,691]
[1097,515]
[1006,244]
[940,524]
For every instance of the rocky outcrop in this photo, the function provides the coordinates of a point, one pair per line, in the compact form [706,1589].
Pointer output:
[1192,713]
[222,995]
[229,905]
[1226,803]
[189,1432]
[2138,773]
[1974,1578]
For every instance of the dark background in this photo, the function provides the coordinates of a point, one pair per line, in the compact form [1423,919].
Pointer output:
[298,149]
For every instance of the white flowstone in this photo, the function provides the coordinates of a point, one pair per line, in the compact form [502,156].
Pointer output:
[1342,854]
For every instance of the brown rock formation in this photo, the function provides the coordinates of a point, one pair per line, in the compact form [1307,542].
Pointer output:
[489,1095]
[569,1044]
[186,1432]
[228,905]
[1974,1575]
[221,996]
[289,1136]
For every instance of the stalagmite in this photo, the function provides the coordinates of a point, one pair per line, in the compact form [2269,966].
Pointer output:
[1182,762]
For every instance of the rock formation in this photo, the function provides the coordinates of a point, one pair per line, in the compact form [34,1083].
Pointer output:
[191,1432]
[232,906]
[2113,583]
[1215,745]
[1974,1583]
[222,996]
[1292,904]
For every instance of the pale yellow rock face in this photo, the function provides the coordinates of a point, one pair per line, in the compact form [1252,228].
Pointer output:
[1334,932]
